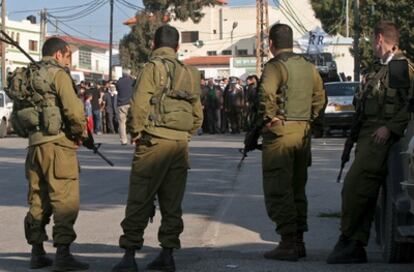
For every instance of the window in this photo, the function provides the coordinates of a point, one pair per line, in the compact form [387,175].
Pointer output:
[97,65]
[189,36]
[211,53]
[33,45]
[242,52]
[226,52]
[85,58]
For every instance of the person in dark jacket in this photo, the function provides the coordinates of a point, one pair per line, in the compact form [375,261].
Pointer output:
[124,88]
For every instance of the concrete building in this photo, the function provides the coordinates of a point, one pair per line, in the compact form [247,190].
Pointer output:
[231,31]
[90,57]
[27,34]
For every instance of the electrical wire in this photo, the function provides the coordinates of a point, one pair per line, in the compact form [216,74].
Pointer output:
[73,29]
[130,5]
[55,9]
[289,7]
[94,6]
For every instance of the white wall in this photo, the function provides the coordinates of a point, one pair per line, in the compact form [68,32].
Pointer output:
[27,31]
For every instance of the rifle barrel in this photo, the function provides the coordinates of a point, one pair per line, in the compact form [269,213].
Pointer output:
[10,41]
[103,157]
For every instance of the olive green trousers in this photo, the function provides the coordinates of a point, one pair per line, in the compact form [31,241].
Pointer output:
[53,174]
[285,159]
[361,186]
[159,169]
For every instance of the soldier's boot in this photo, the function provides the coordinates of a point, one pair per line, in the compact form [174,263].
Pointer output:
[127,264]
[301,245]
[38,258]
[163,262]
[64,261]
[347,251]
[286,251]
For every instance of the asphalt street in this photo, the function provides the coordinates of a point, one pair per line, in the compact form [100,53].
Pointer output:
[226,226]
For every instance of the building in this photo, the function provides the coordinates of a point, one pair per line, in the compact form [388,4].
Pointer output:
[90,57]
[224,41]
[27,34]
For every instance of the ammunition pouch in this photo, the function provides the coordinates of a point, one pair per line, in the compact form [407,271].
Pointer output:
[51,120]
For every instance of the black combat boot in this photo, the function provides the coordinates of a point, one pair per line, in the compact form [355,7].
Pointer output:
[127,264]
[64,261]
[286,251]
[301,245]
[347,251]
[38,258]
[164,261]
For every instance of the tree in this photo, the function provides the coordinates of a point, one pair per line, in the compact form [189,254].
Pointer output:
[332,15]
[135,47]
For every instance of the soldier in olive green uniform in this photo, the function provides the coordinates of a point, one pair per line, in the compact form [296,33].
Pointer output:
[54,124]
[384,118]
[165,111]
[291,95]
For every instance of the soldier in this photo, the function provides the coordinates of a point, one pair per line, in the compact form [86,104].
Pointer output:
[291,95]
[384,118]
[165,111]
[51,164]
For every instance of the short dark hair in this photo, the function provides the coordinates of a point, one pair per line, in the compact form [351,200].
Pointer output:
[53,45]
[281,36]
[389,30]
[166,36]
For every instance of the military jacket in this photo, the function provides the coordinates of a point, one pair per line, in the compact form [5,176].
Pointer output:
[381,105]
[166,118]
[290,90]
[71,109]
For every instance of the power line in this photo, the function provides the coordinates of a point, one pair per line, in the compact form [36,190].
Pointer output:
[130,5]
[93,6]
[73,29]
[55,9]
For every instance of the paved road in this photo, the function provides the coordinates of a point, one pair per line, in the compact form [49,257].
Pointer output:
[226,226]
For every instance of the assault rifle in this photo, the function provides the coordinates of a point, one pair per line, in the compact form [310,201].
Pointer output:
[349,143]
[89,142]
[251,140]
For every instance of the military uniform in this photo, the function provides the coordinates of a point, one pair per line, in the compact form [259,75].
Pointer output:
[52,165]
[165,111]
[291,90]
[380,106]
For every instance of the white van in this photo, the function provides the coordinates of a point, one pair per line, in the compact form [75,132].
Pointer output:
[6,106]
[77,76]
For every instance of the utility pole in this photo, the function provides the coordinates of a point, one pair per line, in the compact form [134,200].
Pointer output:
[111,28]
[262,29]
[357,34]
[3,44]
[43,21]
[347,18]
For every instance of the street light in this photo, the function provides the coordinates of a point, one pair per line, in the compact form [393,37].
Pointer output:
[235,24]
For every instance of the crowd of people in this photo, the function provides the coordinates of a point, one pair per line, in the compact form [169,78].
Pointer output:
[106,104]
[229,104]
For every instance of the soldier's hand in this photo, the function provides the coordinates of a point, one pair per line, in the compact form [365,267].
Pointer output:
[381,135]
[135,139]
[274,122]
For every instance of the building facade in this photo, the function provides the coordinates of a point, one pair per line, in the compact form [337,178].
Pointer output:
[27,34]
[90,57]
[231,31]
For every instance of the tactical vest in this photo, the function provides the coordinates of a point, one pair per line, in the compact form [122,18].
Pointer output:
[295,94]
[378,101]
[172,104]
[35,103]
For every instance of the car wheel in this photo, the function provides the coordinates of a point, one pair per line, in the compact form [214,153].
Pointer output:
[3,127]
[393,252]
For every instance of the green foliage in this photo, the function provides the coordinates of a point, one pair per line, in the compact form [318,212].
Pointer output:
[332,15]
[135,47]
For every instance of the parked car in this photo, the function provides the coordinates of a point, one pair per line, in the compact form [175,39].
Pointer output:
[394,219]
[340,109]
[6,107]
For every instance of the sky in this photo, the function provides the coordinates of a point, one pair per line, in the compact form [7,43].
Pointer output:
[92,25]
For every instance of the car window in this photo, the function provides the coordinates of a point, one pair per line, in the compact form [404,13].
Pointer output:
[341,89]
